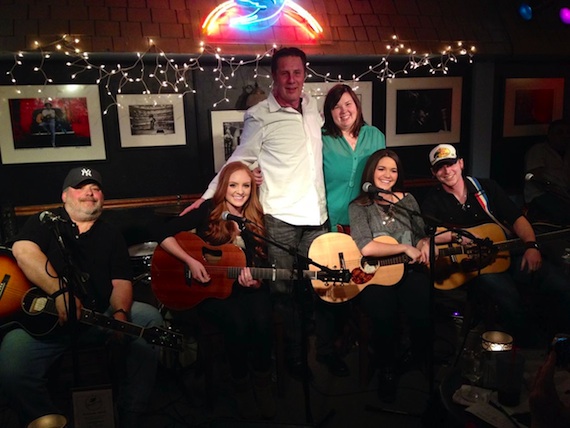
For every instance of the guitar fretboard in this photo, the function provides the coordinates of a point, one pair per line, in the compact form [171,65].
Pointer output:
[270,273]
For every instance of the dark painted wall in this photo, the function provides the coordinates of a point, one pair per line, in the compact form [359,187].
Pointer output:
[142,172]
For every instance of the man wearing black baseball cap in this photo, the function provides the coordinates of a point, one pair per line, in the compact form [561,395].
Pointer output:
[95,265]
[81,175]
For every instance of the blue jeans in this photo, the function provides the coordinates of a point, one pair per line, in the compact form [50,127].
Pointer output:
[49,125]
[502,289]
[288,296]
[25,360]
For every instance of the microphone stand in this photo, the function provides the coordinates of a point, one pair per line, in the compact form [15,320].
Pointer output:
[300,259]
[430,230]
[550,187]
[73,280]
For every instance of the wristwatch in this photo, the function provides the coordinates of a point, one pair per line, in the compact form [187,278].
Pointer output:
[532,244]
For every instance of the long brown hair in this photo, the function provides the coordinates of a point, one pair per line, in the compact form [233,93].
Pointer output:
[333,97]
[365,198]
[222,231]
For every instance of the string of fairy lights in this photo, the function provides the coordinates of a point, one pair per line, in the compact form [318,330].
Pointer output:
[171,75]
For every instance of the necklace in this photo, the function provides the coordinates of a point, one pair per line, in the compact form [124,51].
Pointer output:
[350,140]
[386,213]
[464,205]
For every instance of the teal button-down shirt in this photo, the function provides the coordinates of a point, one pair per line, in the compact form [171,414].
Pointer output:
[343,169]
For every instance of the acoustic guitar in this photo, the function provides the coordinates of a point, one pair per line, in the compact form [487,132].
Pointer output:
[339,251]
[34,311]
[174,287]
[455,264]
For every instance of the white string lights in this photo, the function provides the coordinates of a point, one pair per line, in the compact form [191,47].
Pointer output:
[171,74]
[436,64]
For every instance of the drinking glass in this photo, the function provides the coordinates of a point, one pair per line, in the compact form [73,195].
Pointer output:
[472,370]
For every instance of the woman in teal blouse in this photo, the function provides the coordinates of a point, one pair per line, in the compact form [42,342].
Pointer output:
[347,143]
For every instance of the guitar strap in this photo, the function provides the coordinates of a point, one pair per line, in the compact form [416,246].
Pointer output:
[481,197]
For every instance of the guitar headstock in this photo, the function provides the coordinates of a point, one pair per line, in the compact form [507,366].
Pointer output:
[164,337]
[341,275]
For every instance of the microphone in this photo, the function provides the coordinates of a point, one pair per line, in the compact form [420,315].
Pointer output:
[49,217]
[370,188]
[531,177]
[239,220]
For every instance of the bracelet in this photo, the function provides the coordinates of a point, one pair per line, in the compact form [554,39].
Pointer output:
[58,293]
[532,244]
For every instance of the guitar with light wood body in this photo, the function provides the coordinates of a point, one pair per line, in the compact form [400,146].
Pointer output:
[455,265]
[339,251]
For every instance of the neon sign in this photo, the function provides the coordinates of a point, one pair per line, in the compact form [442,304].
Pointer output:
[251,15]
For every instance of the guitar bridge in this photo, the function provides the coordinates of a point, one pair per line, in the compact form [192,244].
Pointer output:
[4,283]
[187,275]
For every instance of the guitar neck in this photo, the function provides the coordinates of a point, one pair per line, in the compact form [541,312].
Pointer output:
[508,245]
[39,303]
[90,317]
[392,260]
[94,318]
[271,273]
[518,244]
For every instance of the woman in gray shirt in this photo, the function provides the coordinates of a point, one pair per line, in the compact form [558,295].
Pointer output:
[384,225]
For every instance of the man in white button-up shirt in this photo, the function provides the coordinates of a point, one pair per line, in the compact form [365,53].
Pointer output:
[283,135]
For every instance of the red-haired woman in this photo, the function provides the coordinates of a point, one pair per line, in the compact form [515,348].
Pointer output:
[245,317]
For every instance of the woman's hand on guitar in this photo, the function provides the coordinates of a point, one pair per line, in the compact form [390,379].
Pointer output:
[424,248]
[198,271]
[246,280]
[194,206]
[414,254]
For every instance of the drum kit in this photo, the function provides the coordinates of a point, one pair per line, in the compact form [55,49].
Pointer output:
[141,260]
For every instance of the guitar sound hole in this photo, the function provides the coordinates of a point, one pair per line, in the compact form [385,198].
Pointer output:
[211,256]
[369,265]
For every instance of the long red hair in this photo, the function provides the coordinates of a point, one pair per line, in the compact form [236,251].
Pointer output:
[222,231]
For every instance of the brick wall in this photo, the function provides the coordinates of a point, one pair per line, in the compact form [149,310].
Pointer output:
[362,27]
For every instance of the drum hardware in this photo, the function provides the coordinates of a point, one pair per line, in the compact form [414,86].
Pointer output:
[141,257]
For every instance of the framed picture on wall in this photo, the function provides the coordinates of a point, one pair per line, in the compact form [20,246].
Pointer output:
[151,120]
[226,130]
[363,90]
[423,110]
[54,123]
[531,104]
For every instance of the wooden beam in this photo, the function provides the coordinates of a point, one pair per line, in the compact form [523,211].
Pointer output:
[160,201]
[151,201]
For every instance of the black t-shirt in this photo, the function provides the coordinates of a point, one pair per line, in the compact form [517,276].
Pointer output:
[101,253]
[443,209]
